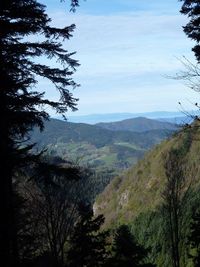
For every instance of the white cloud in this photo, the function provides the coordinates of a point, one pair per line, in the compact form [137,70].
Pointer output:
[122,53]
[126,43]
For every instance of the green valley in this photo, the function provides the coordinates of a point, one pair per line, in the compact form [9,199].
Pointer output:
[101,149]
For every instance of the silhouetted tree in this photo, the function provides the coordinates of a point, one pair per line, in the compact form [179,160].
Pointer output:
[74,4]
[29,241]
[47,209]
[87,244]
[126,251]
[191,74]
[53,201]
[191,8]
[53,208]
[22,107]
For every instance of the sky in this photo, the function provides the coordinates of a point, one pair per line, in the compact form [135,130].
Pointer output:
[128,50]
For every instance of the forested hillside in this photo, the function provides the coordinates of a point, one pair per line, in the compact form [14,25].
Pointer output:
[139,124]
[138,196]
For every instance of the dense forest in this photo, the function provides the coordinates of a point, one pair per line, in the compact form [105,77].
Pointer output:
[148,216]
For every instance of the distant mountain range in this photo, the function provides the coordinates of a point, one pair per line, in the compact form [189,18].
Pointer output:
[115,148]
[112,117]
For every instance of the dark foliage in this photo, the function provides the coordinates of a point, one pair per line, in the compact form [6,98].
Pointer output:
[74,4]
[191,8]
[22,107]
[126,251]
[52,202]
[88,245]
[46,210]
[194,237]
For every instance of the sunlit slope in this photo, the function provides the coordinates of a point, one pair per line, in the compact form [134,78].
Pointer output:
[139,189]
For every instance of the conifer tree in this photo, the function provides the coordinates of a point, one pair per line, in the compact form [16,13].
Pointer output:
[21,105]
[191,8]
[126,251]
[88,246]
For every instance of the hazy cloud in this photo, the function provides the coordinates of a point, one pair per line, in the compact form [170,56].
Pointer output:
[124,54]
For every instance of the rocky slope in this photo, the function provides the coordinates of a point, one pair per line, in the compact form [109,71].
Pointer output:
[140,188]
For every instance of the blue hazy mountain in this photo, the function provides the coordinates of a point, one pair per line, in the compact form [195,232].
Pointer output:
[112,117]
[139,124]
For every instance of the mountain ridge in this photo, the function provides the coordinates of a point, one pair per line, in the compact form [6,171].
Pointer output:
[111,117]
[139,189]
[89,145]
[139,124]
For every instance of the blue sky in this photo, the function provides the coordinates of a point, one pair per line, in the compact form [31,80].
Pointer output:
[126,49]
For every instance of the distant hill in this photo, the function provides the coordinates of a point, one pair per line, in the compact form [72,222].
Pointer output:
[104,150]
[177,120]
[139,124]
[61,131]
[112,117]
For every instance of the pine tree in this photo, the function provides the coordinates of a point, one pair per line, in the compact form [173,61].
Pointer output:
[22,107]
[88,245]
[191,8]
[126,251]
